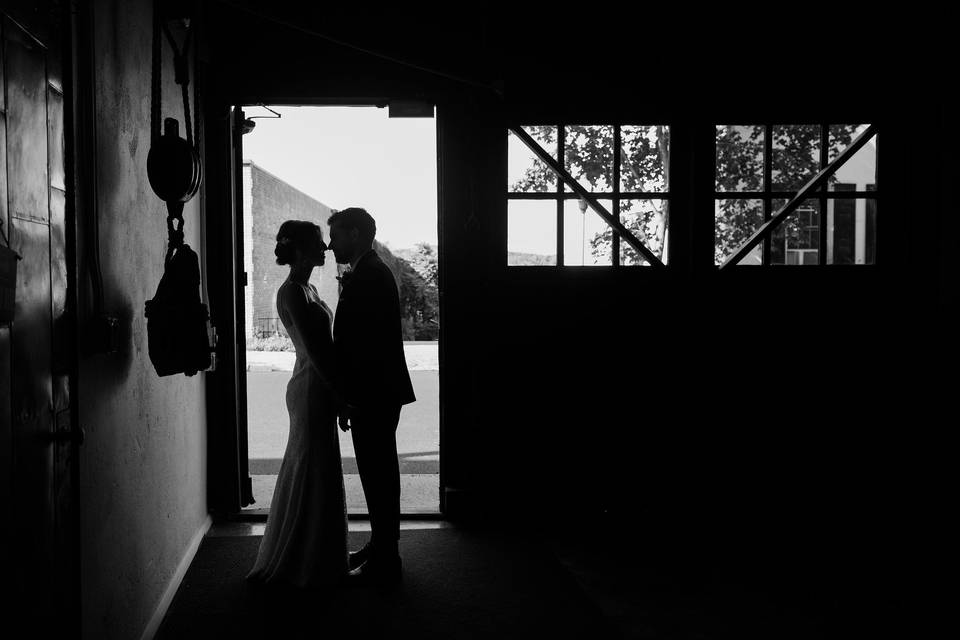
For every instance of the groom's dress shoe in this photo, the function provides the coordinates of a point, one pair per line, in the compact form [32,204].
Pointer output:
[377,573]
[360,556]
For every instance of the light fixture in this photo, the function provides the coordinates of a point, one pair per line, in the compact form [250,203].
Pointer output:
[249,124]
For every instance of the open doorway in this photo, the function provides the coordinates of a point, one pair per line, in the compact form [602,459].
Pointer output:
[302,163]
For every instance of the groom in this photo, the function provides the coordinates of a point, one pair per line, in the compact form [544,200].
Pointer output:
[374,383]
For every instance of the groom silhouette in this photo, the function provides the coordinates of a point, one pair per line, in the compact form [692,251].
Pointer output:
[373,380]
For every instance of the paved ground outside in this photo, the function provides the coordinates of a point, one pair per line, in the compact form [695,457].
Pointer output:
[419,493]
[418,435]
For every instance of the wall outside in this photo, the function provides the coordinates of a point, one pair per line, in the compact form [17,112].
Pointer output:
[248,250]
[272,202]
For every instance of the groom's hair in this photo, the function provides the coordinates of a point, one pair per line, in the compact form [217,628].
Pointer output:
[355,218]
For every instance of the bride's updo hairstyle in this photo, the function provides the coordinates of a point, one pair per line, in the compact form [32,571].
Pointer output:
[297,234]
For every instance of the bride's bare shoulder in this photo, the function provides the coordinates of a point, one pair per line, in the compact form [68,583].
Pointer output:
[291,294]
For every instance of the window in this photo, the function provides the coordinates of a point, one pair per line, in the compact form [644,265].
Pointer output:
[759,168]
[625,167]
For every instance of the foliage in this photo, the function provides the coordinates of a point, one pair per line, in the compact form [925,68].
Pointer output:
[795,159]
[270,343]
[517,258]
[645,154]
[419,300]
[424,262]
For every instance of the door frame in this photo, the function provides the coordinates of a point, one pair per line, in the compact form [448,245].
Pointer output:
[229,480]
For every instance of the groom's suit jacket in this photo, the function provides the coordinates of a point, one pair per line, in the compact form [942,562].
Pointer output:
[368,338]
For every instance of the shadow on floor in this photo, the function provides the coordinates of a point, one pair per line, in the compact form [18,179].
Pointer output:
[457,584]
[592,579]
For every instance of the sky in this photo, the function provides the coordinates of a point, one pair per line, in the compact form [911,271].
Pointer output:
[355,156]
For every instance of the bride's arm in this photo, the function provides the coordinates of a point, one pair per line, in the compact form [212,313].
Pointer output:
[318,346]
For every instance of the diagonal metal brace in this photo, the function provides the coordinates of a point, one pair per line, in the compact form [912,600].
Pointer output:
[577,188]
[815,183]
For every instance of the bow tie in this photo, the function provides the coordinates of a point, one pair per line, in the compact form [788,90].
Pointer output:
[345,278]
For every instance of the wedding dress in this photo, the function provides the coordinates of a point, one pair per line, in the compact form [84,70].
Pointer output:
[305,541]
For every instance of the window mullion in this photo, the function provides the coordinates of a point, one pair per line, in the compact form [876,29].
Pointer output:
[767,187]
[561,155]
[822,228]
[876,186]
[617,159]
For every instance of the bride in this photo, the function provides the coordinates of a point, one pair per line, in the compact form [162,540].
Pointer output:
[305,541]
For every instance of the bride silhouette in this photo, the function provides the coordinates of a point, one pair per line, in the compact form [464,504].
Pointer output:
[305,541]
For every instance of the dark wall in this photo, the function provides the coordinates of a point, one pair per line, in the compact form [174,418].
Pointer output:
[37,359]
[102,531]
[783,413]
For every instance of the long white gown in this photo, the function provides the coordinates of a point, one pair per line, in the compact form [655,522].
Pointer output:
[305,541]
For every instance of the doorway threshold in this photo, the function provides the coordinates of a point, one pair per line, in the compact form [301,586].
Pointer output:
[419,495]
[248,527]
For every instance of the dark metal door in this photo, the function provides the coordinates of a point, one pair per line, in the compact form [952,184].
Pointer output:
[240,281]
[38,349]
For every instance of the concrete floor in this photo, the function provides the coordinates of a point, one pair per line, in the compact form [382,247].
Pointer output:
[227,529]
[418,434]
[419,493]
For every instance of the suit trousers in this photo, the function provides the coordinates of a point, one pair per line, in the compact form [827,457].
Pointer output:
[375,444]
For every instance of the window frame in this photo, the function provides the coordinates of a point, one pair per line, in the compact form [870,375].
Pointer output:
[768,195]
[560,194]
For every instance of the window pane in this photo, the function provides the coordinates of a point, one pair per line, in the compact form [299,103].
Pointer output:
[525,171]
[797,240]
[842,231]
[644,158]
[851,230]
[586,236]
[735,221]
[861,169]
[589,156]
[739,158]
[648,220]
[531,232]
[796,155]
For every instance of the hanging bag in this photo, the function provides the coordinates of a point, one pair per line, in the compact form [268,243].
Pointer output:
[177,336]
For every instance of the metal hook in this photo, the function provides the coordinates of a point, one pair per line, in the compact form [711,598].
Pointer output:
[277,115]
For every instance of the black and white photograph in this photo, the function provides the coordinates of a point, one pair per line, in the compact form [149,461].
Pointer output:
[474,321]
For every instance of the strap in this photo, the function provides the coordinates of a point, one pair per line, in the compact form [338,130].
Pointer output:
[182,74]
[174,232]
[181,65]
[155,78]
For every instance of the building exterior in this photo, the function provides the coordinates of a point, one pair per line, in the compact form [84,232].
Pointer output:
[654,407]
[267,202]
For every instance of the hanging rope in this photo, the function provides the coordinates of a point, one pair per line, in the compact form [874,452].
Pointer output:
[155,78]
[192,129]
[7,241]
[182,74]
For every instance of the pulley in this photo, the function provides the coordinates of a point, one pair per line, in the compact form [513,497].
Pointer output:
[173,165]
